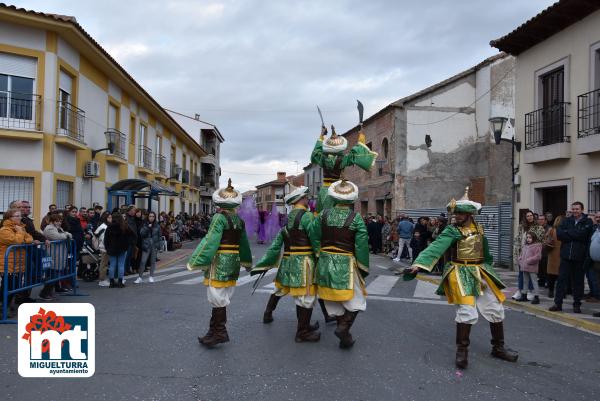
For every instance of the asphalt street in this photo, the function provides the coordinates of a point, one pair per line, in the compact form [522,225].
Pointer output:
[147,349]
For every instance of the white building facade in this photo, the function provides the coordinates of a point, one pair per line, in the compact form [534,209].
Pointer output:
[558,107]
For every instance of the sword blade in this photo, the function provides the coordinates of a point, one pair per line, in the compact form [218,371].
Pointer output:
[255,285]
[321,115]
[361,110]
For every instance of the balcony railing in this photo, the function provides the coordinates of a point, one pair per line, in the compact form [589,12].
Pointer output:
[174,167]
[588,114]
[208,182]
[120,142]
[185,177]
[161,165]
[145,157]
[20,111]
[547,126]
[196,181]
[71,121]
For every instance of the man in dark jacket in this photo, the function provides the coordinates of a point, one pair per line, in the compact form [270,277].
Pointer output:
[574,233]
[374,231]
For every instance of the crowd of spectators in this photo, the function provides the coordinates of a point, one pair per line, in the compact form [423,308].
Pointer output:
[559,254]
[128,240]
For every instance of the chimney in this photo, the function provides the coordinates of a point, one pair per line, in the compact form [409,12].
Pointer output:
[281,176]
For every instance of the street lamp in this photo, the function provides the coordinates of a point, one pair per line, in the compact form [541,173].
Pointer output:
[178,171]
[111,138]
[497,126]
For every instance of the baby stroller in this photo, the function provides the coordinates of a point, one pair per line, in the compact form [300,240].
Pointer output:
[90,262]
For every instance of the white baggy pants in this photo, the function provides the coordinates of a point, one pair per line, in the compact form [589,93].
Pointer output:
[304,301]
[487,304]
[219,297]
[357,303]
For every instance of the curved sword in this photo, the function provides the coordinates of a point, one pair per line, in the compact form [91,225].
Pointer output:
[321,115]
[361,110]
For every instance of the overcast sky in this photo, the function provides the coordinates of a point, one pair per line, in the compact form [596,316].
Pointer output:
[257,69]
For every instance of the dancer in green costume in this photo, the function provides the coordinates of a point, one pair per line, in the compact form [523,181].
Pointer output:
[295,274]
[469,280]
[221,254]
[329,154]
[343,252]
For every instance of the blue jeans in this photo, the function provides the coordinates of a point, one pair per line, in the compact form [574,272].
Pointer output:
[521,283]
[592,279]
[115,261]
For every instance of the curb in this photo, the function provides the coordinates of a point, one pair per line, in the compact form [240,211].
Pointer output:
[523,307]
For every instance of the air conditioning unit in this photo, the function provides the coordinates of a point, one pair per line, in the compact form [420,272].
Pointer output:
[92,169]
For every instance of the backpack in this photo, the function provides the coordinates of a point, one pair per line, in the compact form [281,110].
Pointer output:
[595,246]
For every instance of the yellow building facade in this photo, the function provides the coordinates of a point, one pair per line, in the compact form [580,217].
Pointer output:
[61,97]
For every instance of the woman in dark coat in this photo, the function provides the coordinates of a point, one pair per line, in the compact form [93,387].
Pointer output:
[117,239]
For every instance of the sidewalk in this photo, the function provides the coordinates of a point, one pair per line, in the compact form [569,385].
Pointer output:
[583,320]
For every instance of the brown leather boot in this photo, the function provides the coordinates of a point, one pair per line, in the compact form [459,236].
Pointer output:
[219,334]
[463,331]
[328,319]
[211,329]
[303,333]
[498,350]
[311,327]
[271,305]
[342,331]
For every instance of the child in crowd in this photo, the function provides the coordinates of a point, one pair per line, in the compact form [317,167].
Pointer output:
[529,259]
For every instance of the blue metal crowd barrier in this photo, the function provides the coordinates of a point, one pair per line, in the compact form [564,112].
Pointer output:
[30,265]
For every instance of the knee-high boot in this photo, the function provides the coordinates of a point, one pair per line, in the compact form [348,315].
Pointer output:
[311,327]
[271,305]
[304,332]
[219,333]
[498,350]
[463,331]
[328,319]
[342,331]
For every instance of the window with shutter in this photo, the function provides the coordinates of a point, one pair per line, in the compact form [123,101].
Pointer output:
[15,188]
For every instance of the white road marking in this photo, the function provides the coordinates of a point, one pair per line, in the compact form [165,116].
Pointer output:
[192,281]
[409,300]
[175,275]
[168,269]
[383,267]
[426,289]
[382,285]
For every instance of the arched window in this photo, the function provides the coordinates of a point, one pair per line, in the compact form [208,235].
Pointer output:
[384,148]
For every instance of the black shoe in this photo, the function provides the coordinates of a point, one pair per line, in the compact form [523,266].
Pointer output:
[596,314]
[555,308]
[536,300]
[120,283]
[46,297]
[576,309]
[112,283]
[523,298]
[61,290]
